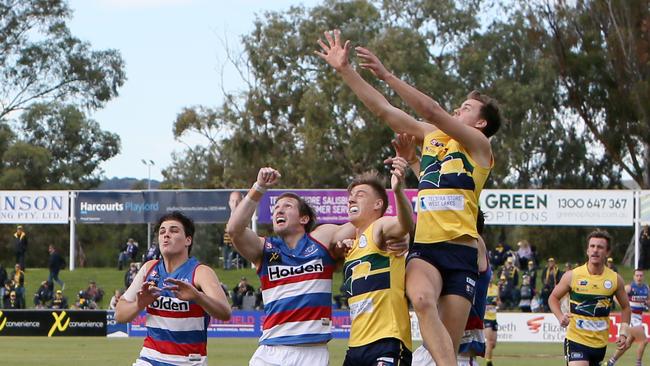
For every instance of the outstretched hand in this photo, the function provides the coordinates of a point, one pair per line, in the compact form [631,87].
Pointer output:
[372,63]
[182,290]
[148,294]
[268,177]
[398,165]
[404,145]
[333,51]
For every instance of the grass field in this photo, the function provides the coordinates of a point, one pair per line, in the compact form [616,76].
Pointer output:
[23,351]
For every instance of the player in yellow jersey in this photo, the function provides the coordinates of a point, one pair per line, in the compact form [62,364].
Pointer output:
[380,332]
[591,288]
[490,320]
[442,267]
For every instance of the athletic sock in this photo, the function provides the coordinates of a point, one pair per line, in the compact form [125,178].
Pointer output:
[489,363]
[611,362]
[638,362]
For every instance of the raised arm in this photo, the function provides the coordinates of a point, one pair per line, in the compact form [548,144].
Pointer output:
[426,107]
[401,225]
[245,240]
[336,54]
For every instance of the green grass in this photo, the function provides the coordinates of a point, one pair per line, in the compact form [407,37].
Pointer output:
[59,351]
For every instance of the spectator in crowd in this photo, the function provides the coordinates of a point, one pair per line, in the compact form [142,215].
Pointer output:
[43,295]
[3,274]
[242,289]
[55,263]
[644,244]
[18,278]
[12,302]
[84,302]
[93,293]
[59,301]
[531,272]
[122,257]
[20,246]
[116,297]
[130,274]
[525,253]
[259,300]
[525,295]
[567,267]
[153,252]
[132,249]
[550,277]
[509,295]
[6,290]
[499,254]
[128,253]
[611,265]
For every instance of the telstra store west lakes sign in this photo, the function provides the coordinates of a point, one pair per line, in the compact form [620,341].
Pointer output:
[558,207]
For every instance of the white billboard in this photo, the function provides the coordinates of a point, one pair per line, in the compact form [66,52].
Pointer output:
[558,207]
[34,207]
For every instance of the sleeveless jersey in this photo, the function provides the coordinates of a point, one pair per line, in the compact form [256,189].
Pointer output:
[297,292]
[176,329]
[491,302]
[591,299]
[375,281]
[473,341]
[448,192]
[638,296]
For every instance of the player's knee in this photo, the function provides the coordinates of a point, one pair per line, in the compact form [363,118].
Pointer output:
[424,303]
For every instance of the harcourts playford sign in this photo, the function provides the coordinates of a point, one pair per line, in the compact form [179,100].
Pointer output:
[34,207]
[120,207]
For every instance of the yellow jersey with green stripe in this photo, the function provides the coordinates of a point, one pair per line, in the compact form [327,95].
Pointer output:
[491,302]
[449,189]
[591,299]
[375,281]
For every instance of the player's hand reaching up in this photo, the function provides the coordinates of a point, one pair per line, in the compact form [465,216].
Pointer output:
[372,63]
[334,51]
[398,171]
[268,177]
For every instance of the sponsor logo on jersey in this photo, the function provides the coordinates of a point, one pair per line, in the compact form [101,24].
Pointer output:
[280,272]
[170,304]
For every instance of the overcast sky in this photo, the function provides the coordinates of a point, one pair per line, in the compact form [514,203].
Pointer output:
[174,57]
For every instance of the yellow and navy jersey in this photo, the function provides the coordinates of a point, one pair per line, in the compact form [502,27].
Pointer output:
[375,281]
[591,298]
[449,189]
[491,302]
